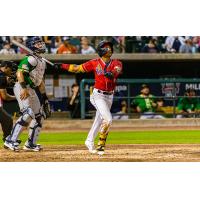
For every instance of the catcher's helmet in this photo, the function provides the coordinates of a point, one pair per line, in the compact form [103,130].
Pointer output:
[30,43]
[101,50]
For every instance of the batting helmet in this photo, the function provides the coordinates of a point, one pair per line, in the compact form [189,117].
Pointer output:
[30,43]
[101,50]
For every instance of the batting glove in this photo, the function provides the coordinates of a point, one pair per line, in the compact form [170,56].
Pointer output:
[109,75]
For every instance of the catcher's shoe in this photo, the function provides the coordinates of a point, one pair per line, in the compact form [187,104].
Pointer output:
[11,145]
[32,147]
[90,146]
[17,143]
[100,150]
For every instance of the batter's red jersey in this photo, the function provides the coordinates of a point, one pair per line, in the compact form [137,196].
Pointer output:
[97,66]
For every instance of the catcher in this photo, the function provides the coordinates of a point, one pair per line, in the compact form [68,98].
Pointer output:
[30,75]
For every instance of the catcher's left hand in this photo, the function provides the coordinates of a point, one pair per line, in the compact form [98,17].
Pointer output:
[46,109]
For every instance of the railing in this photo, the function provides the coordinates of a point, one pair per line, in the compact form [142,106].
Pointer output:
[121,56]
[129,97]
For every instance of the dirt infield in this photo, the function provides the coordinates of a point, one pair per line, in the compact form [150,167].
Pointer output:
[114,153]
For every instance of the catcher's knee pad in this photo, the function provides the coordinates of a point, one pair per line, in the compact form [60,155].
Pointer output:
[23,121]
[27,116]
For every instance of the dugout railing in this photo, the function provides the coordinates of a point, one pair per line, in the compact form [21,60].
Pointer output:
[177,87]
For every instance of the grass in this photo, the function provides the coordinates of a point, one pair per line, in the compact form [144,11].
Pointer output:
[128,137]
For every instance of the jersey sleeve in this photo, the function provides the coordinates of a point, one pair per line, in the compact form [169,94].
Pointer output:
[117,70]
[153,99]
[25,66]
[180,105]
[135,101]
[197,105]
[27,63]
[88,66]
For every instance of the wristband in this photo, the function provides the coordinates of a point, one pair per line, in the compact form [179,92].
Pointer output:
[23,85]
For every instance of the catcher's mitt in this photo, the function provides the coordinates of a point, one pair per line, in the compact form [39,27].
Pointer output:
[46,106]
[46,109]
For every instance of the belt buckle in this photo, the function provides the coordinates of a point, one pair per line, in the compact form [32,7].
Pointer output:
[105,93]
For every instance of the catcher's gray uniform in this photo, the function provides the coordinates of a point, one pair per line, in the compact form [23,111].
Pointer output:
[33,70]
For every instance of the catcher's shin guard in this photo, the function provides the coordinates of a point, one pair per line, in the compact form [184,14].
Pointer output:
[35,128]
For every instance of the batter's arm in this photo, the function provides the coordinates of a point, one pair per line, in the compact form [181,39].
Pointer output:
[73,68]
[88,66]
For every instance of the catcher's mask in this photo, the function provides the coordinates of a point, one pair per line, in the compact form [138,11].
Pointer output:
[31,44]
[101,49]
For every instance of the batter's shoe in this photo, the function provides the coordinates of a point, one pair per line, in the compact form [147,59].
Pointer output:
[100,150]
[11,145]
[32,147]
[90,146]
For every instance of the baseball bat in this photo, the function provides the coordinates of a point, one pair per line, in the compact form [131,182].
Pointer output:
[30,51]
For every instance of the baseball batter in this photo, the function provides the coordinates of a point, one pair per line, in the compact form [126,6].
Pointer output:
[106,71]
[30,75]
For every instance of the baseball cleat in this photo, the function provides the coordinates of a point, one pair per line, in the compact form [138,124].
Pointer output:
[32,147]
[5,147]
[91,147]
[11,145]
[17,143]
[100,150]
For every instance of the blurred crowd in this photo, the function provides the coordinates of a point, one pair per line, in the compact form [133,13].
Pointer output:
[122,44]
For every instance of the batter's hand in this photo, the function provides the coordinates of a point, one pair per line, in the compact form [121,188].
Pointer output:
[24,94]
[109,75]
[61,66]
[117,71]
[57,66]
